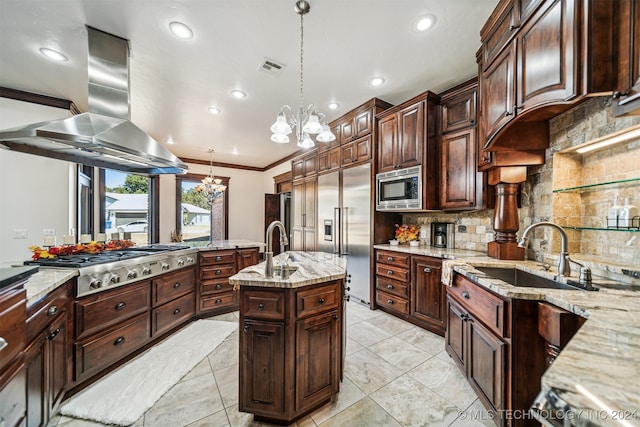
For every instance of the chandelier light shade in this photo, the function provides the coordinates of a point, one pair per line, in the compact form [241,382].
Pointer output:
[213,189]
[307,121]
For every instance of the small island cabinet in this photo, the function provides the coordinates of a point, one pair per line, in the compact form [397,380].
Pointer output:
[291,349]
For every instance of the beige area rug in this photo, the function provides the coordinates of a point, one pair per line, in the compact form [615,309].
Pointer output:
[124,395]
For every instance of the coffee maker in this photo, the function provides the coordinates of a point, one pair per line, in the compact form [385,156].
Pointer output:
[442,235]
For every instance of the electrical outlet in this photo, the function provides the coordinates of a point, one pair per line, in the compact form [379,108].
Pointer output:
[49,232]
[20,233]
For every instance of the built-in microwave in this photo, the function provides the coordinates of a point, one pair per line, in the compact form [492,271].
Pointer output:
[399,190]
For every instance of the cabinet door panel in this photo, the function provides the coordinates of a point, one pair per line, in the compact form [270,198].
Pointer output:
[36,382]
[458,170]
[262,367]
[387,137]
[499,88]
[411,135]
[247,258]
[310,203]
[362,122]
[427,297]
[486,363]
[58,342]
[455,337]
[548,39]
[628,46]
[317,365]
[297,206]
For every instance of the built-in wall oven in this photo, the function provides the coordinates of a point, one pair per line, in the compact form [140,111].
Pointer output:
[399,190]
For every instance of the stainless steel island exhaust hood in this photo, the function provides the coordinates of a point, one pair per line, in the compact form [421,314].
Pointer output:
[103,137]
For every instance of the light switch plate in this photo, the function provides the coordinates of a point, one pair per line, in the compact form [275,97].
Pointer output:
[20,233]
[49,232]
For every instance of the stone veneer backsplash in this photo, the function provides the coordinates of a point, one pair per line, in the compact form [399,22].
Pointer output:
[589,120]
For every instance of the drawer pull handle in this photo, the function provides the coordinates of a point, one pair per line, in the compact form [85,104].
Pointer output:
[218,272]
[53,334]
[218,258]
[390,272]
[218,301]
[335,317]
[321,301]
[176,285]
[120,305]
[246,328]
[218,286]
[3,343]
[119,341]
[389,301]
[389,258]
[465,294]
[389,286]
[52,310]
[427,270]
[260,307]
[176,311]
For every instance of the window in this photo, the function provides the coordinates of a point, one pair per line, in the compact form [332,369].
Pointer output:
[125,210]
[194,216]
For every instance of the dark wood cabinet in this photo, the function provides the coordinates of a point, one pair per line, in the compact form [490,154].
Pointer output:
[556,326]
[462,184]
[305,165]
[303,226]
[493,341]
[409,287]
[329,160]
[290,349]
[459,107]
[427,293]
[358,151]
[13,401]
[356,123]
[47,356]
[215,295]
[627,27]
[573,40]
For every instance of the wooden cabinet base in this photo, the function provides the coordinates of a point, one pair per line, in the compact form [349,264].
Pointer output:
[291,350]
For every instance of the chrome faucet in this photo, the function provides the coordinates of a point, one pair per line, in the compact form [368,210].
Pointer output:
[268,268]
[564,269]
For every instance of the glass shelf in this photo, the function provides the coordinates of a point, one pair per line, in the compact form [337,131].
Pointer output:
[623,182]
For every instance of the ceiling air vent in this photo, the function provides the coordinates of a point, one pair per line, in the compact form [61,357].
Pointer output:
[271,67]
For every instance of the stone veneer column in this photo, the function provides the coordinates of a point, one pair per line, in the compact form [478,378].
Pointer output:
[505,216]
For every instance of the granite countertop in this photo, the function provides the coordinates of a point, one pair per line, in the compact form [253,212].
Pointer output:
[10,275]
[432,251]
[313,267]
[597,372]
[46,281]
[225,244]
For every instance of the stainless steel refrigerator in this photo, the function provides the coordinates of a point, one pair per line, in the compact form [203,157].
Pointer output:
[344,224]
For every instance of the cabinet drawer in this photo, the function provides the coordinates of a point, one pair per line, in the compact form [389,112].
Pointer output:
[482,304]
[393,287]
[263,304]
[215,286]
[96,353]
[171,286]
[221,300]
[13,403]
[13,315]
[392,302]
[218,271]
[41,314]
[392,272]
[217,257]
[393,258]
[173,313]
[101,310]
[322,298]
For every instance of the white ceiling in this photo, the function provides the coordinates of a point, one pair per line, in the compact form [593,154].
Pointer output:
[174,81]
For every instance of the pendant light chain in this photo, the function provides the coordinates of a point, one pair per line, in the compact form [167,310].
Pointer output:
[301,60]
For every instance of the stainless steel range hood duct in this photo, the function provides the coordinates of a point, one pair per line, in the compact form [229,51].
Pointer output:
[103,137]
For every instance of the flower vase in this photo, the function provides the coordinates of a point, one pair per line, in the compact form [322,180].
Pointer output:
[393,242]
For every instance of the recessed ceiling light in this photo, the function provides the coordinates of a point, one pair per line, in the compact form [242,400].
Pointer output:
[181,30]
[53,54]
[238,94]
[215,110]
[424,23]
[376,81]
[333,106]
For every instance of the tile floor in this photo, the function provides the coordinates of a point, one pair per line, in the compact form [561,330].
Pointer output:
[396,374]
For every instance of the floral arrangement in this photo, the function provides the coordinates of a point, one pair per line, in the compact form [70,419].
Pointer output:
[406,233]
[80,248]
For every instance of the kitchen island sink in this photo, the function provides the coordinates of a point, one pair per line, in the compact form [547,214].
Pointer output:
[521,278]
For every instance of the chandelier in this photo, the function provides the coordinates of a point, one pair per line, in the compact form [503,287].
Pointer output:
[307,121]
[213,189]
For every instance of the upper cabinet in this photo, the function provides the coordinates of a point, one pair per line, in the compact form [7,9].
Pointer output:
[305,165]
[627,90]
[355,124]
[538,58]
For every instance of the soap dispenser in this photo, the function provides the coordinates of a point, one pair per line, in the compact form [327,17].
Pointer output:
[612,214]
[626,214]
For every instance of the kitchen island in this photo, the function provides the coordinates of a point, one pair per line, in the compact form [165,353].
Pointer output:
[292,337]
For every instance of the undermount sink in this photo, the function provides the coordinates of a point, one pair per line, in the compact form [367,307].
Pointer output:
[521,278]
[290,269]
